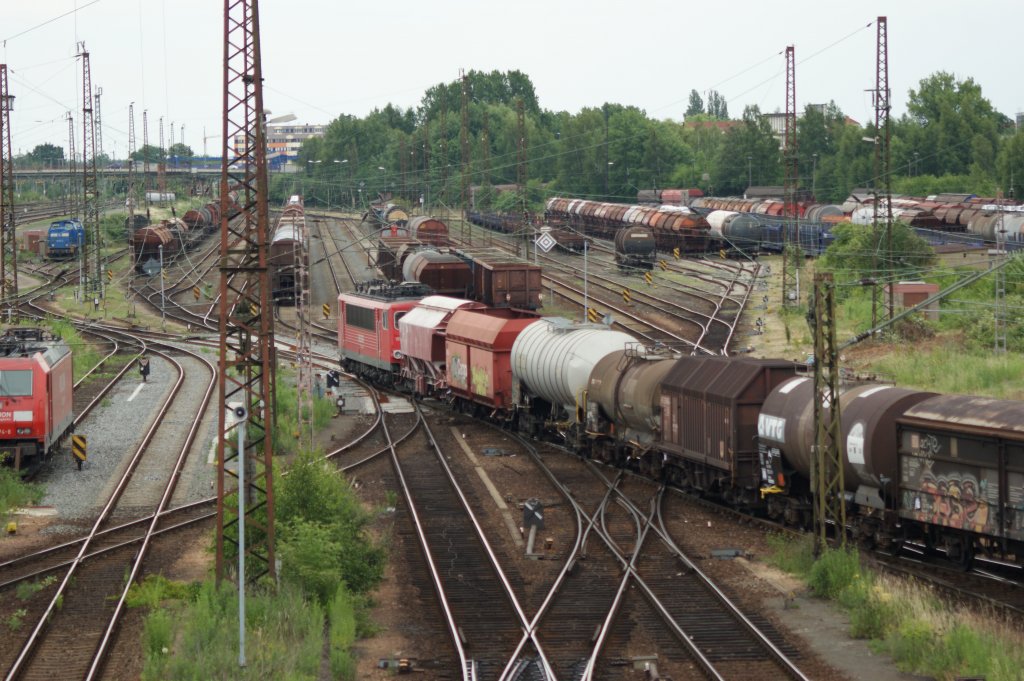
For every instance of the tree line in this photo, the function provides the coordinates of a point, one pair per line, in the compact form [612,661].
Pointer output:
[950,139]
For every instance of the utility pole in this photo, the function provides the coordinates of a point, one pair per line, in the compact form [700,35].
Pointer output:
[72,168]
[161,164]
[605,107]
[403,166]
[444,151]
[829,505]
[8,235]
[521,167]
[882,230]
[93,269]
[486,150]
[130,201]
[145,159]
[246,362]
[1000,311]
[791,226]
[464,144]
[304,346]
[426,166]
[99,121]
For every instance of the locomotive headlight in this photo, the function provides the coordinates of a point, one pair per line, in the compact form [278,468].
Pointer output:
[24,431]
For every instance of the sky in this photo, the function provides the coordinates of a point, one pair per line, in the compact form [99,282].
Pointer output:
[323,58]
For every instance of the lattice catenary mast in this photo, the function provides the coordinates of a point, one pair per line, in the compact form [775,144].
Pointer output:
[304,344]
[246,362]
[829,504]
[130,200]
[790,270]
[92,269]
[99,120]
[882,260]
[161,165]
[521,162]
[145,160]
[72,167]
[8,236]
[464,146]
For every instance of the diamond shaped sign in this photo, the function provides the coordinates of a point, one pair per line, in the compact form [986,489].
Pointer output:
[545,242]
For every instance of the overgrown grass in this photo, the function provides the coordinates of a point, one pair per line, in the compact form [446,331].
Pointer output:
[329,563]
[85,353]
[14,492]
[286,434]
[198,639]
[905,619]
[973,372]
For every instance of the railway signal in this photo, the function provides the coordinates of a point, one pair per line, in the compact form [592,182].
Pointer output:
[327,311]
[79,448]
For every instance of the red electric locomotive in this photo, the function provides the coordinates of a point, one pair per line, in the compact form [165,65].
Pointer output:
[368,337]
[36,381]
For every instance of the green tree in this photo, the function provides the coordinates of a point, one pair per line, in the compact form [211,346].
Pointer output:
[855,246]
[753,139]
[182,151]
[148,152]
[1010,165]
[950,126]
[45,156]
[717,106]
[696,105]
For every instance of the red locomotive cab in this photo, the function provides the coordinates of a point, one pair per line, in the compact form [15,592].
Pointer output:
[35,401]
[368,339]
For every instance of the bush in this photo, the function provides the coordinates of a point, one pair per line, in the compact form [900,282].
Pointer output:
[158,633]
[309,559]
[314,494]
[834,571]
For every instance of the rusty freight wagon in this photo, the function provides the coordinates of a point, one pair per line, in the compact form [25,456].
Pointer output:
[502,280]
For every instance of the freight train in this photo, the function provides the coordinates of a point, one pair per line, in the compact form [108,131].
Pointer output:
[565,239]
[36,382]
[170,237]
[287,247]
[420,252]
[673,226]
[943,470]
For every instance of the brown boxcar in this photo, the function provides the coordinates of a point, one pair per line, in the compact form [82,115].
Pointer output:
[478,348]
[446,273]
[709,420]
[502,280]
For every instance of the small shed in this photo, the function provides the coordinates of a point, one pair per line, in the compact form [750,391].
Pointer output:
[910,293]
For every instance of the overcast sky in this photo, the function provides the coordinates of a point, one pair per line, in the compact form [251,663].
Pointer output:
[322,58]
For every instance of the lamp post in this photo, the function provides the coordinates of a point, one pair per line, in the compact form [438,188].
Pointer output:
[160,248]
[383,170]
[814,174]
[339,182]
[916,166]
[750,168]
[586,299]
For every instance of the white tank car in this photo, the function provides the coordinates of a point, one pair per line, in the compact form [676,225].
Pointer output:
[554,357]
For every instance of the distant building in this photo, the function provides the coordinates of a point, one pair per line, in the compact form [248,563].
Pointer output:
[284,142]
[777,121]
